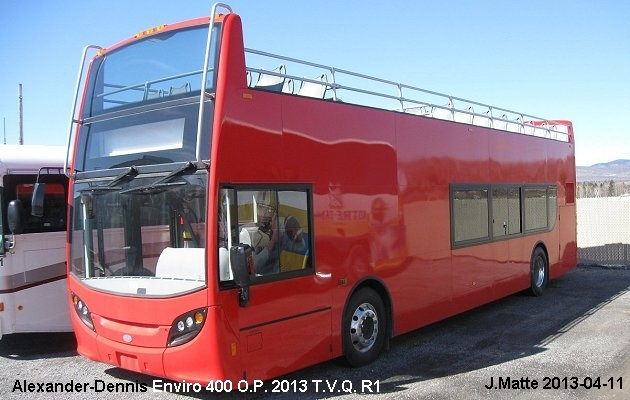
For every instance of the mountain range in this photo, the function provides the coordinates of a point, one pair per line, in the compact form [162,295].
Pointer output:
[618,170]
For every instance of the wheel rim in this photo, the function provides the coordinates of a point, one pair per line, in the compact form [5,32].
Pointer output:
[364,327]
[539,272]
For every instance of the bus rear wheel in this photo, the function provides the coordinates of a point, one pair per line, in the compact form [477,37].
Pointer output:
[539,272]
[364,327]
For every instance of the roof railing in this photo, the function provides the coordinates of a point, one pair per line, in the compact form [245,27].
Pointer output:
[386,94]
[204,78]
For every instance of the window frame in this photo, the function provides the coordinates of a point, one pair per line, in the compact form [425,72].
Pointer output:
[551,218]
[469,188]
[10,184]
[510,233]
[307,190]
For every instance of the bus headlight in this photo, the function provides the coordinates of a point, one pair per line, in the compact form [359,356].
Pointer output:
[82,311]
[186,327]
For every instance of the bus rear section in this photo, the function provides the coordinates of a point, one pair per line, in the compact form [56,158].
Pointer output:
[236,220]
[33,281]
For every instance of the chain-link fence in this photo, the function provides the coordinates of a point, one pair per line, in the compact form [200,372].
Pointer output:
[603,230]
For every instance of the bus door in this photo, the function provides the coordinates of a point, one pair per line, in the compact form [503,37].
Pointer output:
[285,321]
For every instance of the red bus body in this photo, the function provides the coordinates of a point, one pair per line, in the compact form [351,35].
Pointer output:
[412,161]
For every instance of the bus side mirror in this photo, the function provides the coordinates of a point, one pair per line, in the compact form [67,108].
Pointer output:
[37,202]
[14,216]
[242,262]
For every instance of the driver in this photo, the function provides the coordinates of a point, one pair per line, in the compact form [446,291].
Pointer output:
[268,240]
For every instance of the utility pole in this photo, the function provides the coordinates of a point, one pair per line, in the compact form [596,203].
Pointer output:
[21,124]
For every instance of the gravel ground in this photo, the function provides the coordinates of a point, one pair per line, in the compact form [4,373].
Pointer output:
[576,335]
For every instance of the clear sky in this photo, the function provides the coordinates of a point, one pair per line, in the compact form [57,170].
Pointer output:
[557,59]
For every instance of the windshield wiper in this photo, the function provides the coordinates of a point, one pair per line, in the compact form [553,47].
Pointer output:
[129,172]
[164,181]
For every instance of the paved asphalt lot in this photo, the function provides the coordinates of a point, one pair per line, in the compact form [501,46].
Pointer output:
[576,335]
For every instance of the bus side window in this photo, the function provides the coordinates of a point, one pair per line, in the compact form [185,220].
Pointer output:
[55,207]
[293,230]
[54,218]
[275,223]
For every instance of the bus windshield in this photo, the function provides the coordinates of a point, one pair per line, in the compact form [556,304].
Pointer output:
[143,237]
[162,66]
[142,102]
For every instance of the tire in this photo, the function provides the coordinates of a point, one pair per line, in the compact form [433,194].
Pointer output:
[539,272]
[364,327]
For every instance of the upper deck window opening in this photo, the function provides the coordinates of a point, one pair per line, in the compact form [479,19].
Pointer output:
[152,69]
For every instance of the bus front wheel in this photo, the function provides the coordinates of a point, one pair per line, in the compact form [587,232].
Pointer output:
[364,327]
[539,272]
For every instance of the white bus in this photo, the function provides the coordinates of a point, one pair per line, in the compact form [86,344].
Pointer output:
[33,285]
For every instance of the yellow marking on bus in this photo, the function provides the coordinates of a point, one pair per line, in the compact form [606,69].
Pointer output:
[150,31]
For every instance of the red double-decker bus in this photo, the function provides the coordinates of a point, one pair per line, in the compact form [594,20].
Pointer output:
[238,215]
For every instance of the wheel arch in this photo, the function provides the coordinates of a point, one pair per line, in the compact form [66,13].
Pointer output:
[540,244]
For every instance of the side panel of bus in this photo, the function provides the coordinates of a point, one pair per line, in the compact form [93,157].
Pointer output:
[33,283]
[373,170]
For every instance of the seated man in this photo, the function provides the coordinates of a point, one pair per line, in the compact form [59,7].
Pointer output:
[268,241]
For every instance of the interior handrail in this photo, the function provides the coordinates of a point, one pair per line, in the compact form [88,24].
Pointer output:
[141,86]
